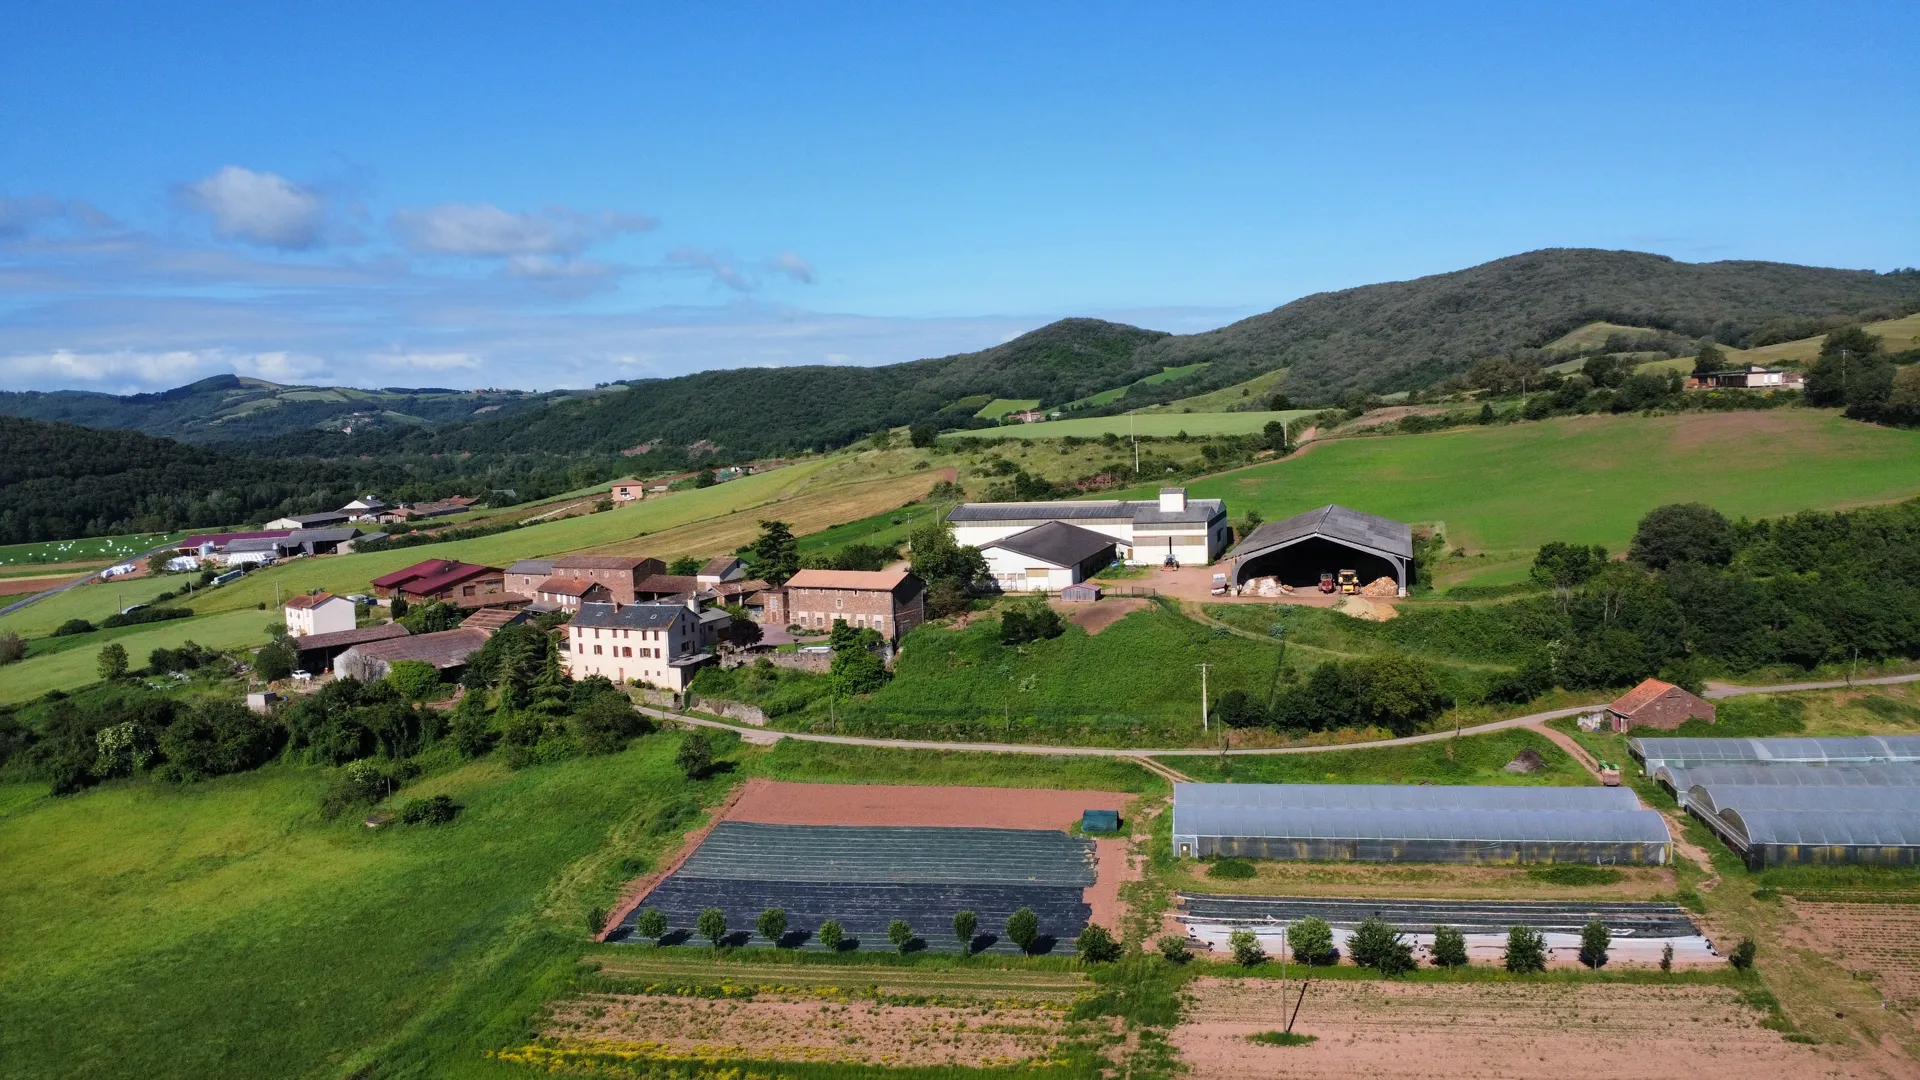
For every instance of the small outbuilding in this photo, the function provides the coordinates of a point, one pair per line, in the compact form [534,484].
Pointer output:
[1297,550]
[1656,704]
[1086,592]
[1047,557]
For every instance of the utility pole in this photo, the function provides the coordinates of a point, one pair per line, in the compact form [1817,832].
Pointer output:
[1135,440]
[1203,697]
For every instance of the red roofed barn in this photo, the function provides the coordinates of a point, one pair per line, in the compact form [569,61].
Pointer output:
[441,579]
[1657,704]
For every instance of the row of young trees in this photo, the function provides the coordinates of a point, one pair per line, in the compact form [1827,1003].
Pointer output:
[1094,943]
[1378,944]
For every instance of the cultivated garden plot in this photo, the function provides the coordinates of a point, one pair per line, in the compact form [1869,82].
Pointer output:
[1546,1030]
[1877,942]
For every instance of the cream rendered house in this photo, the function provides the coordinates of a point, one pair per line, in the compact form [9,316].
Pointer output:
[1193,531]
[319,613]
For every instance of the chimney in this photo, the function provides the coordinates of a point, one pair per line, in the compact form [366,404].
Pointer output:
[693,603]
[1173,500]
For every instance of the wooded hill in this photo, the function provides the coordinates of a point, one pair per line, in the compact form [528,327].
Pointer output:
[1376,338]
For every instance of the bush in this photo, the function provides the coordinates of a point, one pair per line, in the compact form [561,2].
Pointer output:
[473,733]
[1526,950]
[1449,947]
[1096,946]
[965,923]
[13,647]
[900,932]
[651,923]
[359,783]
[1594,939]
[832,934]
[1023,928]
[415,680]
[1378,945]
[274,661]
[144,615]
[1231,870]
[1666,957]
[695,755]
[436,810]
[712,925]
[1173,947]
[74,626]
[772,923]
[1311,941]
[1246,948]
[1742,956]
[1032,621]
[1682,532]
[397,607]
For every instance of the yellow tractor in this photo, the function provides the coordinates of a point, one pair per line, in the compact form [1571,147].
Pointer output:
[1349,583]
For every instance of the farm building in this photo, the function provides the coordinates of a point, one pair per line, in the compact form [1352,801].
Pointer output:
[311,521]
[440,579]
[1656,704]
[1681,779]
[447,650]
[1297,550]
[1775,825]
[1047,558]
[891,602]
[1190,531]
[317,613]
[1656,753]
[319,651]
[1406,823]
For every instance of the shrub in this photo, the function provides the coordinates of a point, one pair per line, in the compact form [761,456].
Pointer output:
[900,932]
[1378,945]
[772,923]
[273,662]
[1096,946]
[1246,948]
[1575,874]
[1526,950]
[473,733]
[1032,621]
[73,626]
[712,925]
[1666,957]
[436,810]
[651,923]
[965,923]
[416,680]
[1173,947]
[1594,939]
[397,610]
[13,647]
[1231,870]
[1311,940]
[1449,947]
[695,755]
[832,934]
[1742,956]
[1023,928]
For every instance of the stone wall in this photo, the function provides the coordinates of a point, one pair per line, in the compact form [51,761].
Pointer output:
[730,710]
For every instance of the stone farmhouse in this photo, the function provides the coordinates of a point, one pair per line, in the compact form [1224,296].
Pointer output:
[892,602]
[1656,704]
[662,644]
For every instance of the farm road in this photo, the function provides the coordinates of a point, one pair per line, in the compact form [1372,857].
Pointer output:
[58,589]
[766,734]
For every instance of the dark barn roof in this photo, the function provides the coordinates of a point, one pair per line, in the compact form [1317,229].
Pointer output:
[1337,523]
[1058,543]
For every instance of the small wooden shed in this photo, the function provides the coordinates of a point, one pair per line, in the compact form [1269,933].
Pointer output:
[1082,592]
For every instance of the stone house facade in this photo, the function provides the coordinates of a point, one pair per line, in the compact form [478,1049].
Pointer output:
[892,602]
[1656,704]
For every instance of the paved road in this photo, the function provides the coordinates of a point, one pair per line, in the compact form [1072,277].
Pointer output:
[1122,752]
[58,589]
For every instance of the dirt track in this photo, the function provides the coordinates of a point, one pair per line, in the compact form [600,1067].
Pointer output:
[1486,1030]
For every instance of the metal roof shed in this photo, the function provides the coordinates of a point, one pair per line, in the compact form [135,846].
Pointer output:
[1834,750]
[1297,550]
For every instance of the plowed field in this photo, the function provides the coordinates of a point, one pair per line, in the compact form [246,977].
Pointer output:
[1880,942]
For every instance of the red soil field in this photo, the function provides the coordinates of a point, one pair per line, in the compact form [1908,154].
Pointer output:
[771,802]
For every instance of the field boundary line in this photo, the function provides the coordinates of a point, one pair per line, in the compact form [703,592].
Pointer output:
[637,890]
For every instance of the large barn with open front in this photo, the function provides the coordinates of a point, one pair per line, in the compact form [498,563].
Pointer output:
[1297,550]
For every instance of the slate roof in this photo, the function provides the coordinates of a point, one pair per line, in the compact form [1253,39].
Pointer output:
[318,536]
[356,636]
[543,567]
[598,562]
[863,580]
[448,648]
[1336,523]
[629,616]
[327,518]
[1058,543]
[1139,511]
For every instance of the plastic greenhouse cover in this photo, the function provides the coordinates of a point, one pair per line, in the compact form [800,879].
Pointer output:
[1855,748]
[1399,796]
[1826,828]
[1784,774]
[1712,799]
[1593,826]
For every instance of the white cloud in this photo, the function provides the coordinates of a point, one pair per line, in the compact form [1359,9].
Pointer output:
[259,207]
[429,361]
[793,266]
[20,216]
[485,230]
[716,263]
[281,367]
[65,367]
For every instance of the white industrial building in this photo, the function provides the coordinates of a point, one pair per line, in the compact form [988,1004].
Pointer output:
[1192,531]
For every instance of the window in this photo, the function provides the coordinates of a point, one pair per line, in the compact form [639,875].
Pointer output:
[596,650]
[839,602]
[629,651]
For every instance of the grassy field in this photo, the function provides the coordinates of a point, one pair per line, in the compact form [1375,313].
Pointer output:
[1594,335]
[1508,489]
[93,549]
[1106,397]
[1255,389]
[1143,423]
[1471,759]
[999,407]
[93,601]
[74,661]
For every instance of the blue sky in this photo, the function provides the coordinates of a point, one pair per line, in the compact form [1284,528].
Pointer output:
[553,194]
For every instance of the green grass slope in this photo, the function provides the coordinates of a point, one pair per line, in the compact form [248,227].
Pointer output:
[1163,424]
[999,407]
[1254,391]
[1585,479]
[74,661]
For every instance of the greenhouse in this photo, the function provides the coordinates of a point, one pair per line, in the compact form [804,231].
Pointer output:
[1680,779]
[1405,823]
[1845,750]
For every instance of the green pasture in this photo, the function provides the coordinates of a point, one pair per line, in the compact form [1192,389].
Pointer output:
[93,602]
[1595,334]
[1160,424]
[351,573]
[999,407]
[90,549]
[1510,488]
[75,662]
[886,527]
[1256,389]
[1107,397]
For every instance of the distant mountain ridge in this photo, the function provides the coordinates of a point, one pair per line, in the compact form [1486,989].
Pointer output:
[1374,338]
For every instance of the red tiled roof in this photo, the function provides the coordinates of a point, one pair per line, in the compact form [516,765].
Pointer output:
[566,586]
[864,580]
[1640,697]
[309,600]
[666,584]
[491,599]
[432,576]
[492,619]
